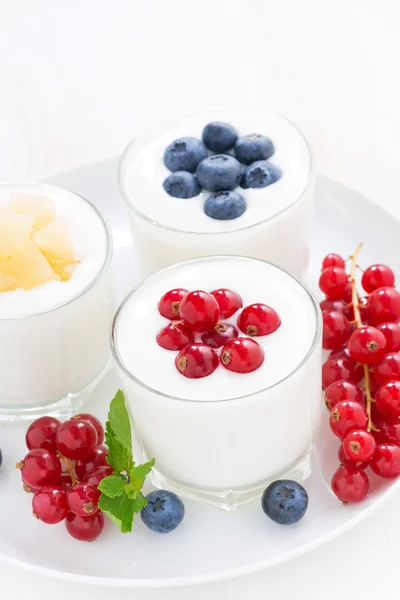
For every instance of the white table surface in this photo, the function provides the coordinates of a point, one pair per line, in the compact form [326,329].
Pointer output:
[79,78]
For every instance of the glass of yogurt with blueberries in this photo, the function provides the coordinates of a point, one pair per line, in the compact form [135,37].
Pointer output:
[220,181]
[56,299]
[220,361]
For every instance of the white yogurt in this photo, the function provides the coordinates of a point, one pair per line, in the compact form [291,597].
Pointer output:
[227,431]
[275,225]
[53,338]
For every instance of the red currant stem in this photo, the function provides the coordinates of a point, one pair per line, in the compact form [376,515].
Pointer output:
[69,464]
[358,321]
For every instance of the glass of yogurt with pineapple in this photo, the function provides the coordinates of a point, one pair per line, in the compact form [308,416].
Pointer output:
[220,361]
[56,299]
[220,181]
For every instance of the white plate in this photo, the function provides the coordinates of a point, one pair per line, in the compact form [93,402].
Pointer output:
[211,544]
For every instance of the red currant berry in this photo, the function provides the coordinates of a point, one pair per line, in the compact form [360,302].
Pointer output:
[96,475]
[350,484]
[220,335]
[333,260]
[387,399]
[76,439]
[359,446]
[97,458]
[342,390]
[85,529]
[386,461]
[391,331]
[348,293]
[340,368]
[199,311]
[170,302]
[377,276]
[347,416]
[338,305]
[50,505]
[367,345]
[96,424]
[341,353]
[333,282]
[229,302]
[196,361]
[242,355]
[174,336]
[336,330]
[41,468]
[344,461]
[258,319]
[42,434]
[388,369]
[83,499]
[388,430]
[66,481]
[384,306]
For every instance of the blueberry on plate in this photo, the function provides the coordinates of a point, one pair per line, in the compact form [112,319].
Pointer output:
[252,147]
[164,511]
[219,136]
[182,185]
[219,172]
[285,501]
[260,174]
[225,206]
[185,154]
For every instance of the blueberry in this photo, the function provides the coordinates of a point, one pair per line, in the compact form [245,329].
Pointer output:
[164,511]
[285,501]
[225,206]
[250,148]
[184,154]
[260,174]
[182,185]
[219,172]
[219,136]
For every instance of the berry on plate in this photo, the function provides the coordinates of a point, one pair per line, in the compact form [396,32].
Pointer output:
[367,345]
[336,329]
[225,206]
[377,276]
[333,282]
[219,172]
[260,174]
[258,319]
[169,303]
[391,331]
[76,438]
[386,461]
[342,390]
[359,446]
[85,529]
[340,368]
[388,369]
[182,185]
[83,499]
[50,505]
[242,355]
[97,458]
[40,468]
[184,154]
[333,260]
[252,147]
[164,511]
[42,434]
[96,424]
[347,416]
[285,501]
[384,306]
[219,136]
[387,399]
[196,361]
[350,484]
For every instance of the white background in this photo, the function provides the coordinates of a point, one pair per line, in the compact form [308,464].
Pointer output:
[79,78]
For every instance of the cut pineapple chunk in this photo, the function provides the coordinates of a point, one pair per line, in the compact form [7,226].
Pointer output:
[15,230]
[41,208]
[65,272]
[8,282]
[56,243]
[29,267]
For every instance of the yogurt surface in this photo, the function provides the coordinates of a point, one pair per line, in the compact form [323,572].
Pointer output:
[255,281]
[143,171]
[91,243]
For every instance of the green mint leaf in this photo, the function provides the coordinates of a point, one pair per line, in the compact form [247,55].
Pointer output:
[118,456]
[137,476]
[119,421]
[120,510]
[112,486]
[139,502]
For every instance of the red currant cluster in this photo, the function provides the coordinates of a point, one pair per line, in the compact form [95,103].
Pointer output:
[63,468]
[361,377]
[197,331]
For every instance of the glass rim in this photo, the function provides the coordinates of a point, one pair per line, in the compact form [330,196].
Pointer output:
[108,254]
[122,167]
[121,365]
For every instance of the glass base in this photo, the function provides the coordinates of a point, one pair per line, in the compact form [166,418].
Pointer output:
[62,408]
[230,500]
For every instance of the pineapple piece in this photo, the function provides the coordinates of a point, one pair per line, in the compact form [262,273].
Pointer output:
[15,230]
[65,272]
[8,281]
[41,208]
[56,243]
[29,267]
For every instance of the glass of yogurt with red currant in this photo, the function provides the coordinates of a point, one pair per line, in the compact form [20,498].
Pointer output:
[56,299]
[219,359]
[220,181]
